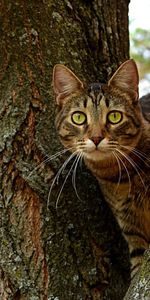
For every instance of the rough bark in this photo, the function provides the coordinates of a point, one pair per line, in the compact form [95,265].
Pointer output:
[140,286]
[73,250]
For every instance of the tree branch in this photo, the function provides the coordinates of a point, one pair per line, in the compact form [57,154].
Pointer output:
[140,286]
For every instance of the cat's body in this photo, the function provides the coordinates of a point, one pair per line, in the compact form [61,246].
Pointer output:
[106,125]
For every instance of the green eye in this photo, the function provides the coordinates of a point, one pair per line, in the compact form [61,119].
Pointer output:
[114,117]
[78,118]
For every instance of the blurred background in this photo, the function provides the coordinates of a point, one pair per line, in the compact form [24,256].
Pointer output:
[139,16]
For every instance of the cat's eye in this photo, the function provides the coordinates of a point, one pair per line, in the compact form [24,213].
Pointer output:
[115,117]
[78,118]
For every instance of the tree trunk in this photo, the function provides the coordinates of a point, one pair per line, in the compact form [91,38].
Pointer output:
[140,286]
[72,248]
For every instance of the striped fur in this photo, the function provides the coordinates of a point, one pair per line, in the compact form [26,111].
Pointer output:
[117,154]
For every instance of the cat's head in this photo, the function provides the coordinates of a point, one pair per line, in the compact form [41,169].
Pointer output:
[98,119]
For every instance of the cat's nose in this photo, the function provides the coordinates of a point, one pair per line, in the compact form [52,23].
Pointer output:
[96,139]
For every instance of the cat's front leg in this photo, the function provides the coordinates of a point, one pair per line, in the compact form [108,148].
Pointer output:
[137,245]
[130,220]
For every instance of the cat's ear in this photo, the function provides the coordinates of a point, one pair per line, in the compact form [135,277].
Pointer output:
[126,78]
[65,83]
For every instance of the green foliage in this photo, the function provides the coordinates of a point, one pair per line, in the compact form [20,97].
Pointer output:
[140,49]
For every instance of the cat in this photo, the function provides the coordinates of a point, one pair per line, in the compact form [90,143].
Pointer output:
[105,123]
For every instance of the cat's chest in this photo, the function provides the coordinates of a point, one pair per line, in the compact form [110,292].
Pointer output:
[115,193]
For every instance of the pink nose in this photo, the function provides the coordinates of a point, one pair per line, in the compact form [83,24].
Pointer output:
[96,140]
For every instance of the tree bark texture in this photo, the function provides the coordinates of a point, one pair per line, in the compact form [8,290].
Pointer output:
[73,250]
[140,286]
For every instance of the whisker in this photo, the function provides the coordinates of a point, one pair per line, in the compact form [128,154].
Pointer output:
[56,178]
[76,159]
[128,174]
[74,175]
[62,168]
[119,168]
[137,153]
[134,165]
[48,159]
[38,166]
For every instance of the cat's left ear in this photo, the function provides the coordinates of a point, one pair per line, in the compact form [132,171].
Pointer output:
[126,78]
[65,83]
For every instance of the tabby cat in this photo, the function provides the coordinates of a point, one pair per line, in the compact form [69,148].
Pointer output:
[105,124]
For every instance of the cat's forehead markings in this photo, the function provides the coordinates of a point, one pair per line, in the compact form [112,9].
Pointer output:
[95,93]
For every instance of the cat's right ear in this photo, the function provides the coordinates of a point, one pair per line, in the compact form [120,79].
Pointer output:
[65,83]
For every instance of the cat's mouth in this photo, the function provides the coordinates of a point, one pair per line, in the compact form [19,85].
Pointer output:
[97,154]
